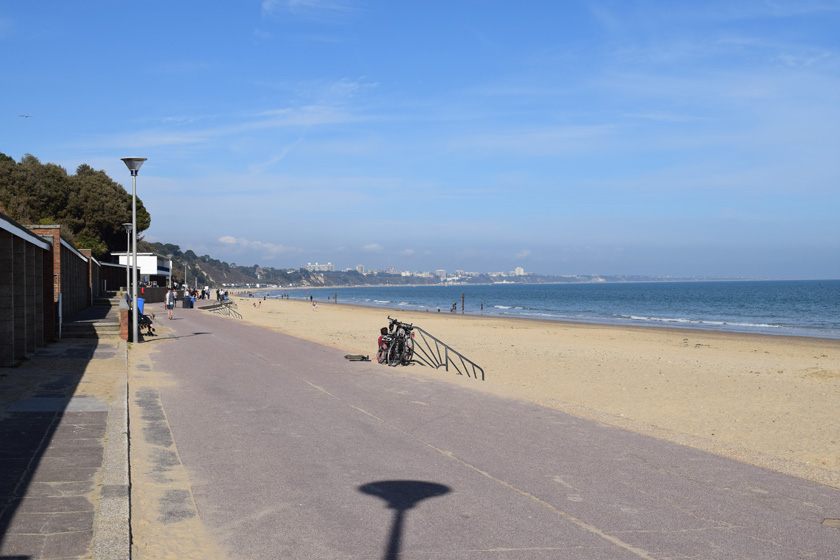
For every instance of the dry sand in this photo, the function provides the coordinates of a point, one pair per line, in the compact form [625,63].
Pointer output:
[767,400]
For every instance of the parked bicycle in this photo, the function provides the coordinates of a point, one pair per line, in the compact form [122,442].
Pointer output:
[398,346]
[384,346]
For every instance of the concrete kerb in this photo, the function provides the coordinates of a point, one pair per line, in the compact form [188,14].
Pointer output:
[112,526]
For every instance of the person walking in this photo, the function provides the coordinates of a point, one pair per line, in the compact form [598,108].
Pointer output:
[169,300]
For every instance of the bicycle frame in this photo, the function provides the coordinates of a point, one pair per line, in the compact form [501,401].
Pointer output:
[401,347]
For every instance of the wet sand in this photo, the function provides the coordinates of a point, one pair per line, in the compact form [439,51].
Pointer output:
[766,400]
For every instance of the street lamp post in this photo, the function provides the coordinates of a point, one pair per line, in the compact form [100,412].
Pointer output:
[127,262]
[170,270]
[134,165]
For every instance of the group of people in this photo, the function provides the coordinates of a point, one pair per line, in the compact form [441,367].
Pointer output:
[171,297]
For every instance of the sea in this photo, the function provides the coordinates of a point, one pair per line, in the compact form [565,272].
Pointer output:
[793,307]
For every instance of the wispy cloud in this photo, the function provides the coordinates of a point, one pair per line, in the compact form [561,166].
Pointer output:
[350,88]
[322,11]
[323,92]
[561,140]
[664,116]
[299,117]
[311,115]
[373,248]
[182,67]
[5,27]
[635,16]
[607,18]
[733,11]
[268,249]
[261,35]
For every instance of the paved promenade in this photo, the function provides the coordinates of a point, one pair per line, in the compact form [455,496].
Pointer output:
[267,447]
[247,444]
[63,458]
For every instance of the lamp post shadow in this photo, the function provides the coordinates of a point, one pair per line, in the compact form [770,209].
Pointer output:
[401,495]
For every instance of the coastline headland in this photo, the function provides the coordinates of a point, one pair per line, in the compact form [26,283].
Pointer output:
[767,400]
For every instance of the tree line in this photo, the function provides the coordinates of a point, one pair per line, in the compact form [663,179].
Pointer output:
[90,206]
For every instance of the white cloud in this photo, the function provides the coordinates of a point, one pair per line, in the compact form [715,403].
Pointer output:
[664,116]
[259,246]
[373,247]
[262,166]
[323,11]
[347,88]
[235,128]
[407,252]
[5,27]
[523,254]
[182,67]
[545,141]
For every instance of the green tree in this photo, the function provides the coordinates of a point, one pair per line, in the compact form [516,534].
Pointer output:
[97,208]
[32,192]
[90,206]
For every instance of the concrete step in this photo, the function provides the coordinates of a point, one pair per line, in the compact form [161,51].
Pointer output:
[90,330]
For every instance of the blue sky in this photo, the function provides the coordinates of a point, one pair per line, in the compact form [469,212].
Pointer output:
[565,137]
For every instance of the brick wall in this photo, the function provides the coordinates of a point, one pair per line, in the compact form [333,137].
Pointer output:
[70,271]
[7,299]
[25,320]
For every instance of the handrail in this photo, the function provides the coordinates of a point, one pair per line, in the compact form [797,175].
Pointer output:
[432,357]
[224,308]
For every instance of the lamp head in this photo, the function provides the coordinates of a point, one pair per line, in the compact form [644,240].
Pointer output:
[127,227]
[134,163]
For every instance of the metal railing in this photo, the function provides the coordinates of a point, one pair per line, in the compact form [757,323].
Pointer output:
[432,352]
[227,308]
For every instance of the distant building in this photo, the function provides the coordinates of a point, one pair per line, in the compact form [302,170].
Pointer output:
[519,271]
[440,273]
[320,267]
[360,268]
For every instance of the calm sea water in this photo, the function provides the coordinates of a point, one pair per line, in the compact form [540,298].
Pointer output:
[799,308]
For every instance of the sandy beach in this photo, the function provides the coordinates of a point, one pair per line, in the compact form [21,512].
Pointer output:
[770,401]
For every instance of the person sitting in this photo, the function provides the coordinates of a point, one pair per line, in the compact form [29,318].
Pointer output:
[382,345]
[145,324]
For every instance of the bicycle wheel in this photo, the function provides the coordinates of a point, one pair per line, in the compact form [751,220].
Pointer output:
[395,352]
[408,351]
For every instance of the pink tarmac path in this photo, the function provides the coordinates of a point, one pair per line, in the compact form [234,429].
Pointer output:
[295,452]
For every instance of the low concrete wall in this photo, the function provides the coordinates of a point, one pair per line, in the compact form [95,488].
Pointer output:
[125,328]
[153,295]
